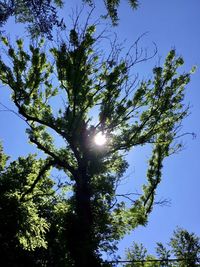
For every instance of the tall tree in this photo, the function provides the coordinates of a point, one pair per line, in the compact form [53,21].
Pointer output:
[91,82]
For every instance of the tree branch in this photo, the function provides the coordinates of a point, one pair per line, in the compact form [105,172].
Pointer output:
[57,160]
[42,171]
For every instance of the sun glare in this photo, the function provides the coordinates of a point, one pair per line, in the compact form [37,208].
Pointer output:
[100,139]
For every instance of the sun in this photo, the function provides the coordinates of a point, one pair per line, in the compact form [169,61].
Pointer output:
[100,139]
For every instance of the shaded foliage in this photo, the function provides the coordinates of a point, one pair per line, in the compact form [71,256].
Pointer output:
[32,226]
[22,226]
[40,15]
[112,7]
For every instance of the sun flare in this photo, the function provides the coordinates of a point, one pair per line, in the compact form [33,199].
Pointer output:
[100,139]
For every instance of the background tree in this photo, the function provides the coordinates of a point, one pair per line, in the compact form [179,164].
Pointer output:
[163,254]
[137,254]
[186,246]
[183,251]
[138,257]
[87,80]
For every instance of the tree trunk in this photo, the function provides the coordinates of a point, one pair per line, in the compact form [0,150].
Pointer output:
[83,245]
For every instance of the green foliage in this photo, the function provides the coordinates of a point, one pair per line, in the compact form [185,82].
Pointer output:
[15,180]
[3,159]
[23,228]
[86,80]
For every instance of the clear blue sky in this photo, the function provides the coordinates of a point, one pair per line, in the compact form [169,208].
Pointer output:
[172,23]
[169,23]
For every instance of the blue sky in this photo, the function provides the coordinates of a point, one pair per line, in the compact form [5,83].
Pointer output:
[173,23]
[169,23]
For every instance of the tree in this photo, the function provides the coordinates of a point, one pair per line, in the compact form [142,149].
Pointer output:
[41,15]
[186,246]
[183,251]
[163,254]
[138,257]
[96,218]
[137,254]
